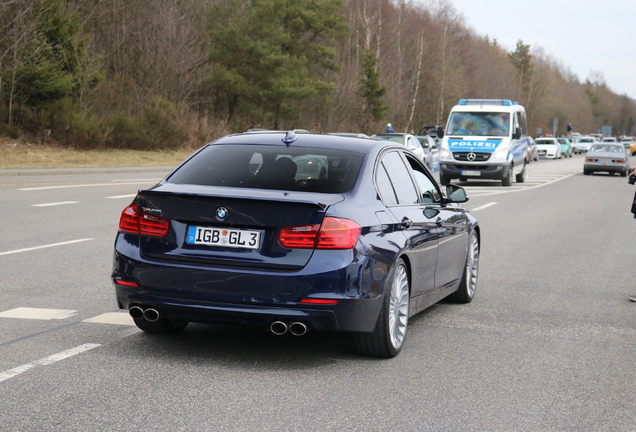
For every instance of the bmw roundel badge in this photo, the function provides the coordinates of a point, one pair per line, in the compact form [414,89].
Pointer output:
[221,213]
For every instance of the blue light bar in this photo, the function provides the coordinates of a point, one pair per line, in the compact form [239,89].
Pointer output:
[504,102]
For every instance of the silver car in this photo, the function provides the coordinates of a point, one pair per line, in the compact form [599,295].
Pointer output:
[584,143]
[606,157]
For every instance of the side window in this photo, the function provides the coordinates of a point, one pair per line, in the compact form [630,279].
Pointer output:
[385,188]
[427,187]
[400,178]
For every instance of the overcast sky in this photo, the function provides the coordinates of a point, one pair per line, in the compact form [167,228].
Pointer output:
[583,35]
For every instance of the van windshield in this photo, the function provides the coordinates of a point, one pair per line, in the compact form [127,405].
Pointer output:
[479,123]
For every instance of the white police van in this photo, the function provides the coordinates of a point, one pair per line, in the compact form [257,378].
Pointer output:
[485,139]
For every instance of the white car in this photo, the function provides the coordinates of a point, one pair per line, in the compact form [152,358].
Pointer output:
[549,148]
[584,144]
[409,141]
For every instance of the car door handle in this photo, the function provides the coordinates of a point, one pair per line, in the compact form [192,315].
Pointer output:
[406,223]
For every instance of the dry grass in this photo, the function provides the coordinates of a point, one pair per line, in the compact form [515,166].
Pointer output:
[17,154]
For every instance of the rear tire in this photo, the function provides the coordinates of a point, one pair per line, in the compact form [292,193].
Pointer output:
[165,326]
[387,337]
[466,291]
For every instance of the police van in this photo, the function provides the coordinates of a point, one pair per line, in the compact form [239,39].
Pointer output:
[485,139]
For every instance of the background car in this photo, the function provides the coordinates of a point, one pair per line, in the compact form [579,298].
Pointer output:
[567,149]
[407,140]
[533,151]
[431,150]
[549,148]
[627,142]
[584,143]
[238,235]
[606,157]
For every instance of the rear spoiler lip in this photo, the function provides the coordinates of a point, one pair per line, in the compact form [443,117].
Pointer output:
[322,200]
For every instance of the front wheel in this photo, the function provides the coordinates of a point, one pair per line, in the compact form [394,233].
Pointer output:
[507,180]
[444,180]
[521,177]
[387,337]
[466,291]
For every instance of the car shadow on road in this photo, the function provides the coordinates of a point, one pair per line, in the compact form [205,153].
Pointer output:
[252,347]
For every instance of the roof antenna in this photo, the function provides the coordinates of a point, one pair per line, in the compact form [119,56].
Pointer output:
[290,137]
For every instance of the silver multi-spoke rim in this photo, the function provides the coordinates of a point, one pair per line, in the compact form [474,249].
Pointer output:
[472,265]
[399,306]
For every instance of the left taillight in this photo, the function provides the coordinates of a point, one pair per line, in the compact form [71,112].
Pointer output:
[136,222]
[333,233]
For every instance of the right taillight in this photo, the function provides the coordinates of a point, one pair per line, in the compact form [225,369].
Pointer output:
[333,233]
[136,222]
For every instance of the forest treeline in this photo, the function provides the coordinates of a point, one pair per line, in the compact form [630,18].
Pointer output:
[159,74]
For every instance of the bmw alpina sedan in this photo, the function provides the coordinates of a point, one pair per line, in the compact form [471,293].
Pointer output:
[296,232]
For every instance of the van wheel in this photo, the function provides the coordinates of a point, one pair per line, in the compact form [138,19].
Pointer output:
[507,180]
[521,177]
[443,180]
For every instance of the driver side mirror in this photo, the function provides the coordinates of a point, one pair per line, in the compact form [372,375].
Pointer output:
[440,132]
[517,134]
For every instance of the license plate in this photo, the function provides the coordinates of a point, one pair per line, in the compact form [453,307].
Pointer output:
[235,238]
[471,173]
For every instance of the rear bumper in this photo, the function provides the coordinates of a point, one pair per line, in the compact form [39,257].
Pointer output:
[255,297]
[592,167]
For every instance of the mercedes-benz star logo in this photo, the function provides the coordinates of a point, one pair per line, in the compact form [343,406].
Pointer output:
[471,156]
[221,213]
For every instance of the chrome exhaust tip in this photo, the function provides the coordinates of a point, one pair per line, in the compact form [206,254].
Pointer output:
[136,312]
[298,328]
[279,328]
[151,315]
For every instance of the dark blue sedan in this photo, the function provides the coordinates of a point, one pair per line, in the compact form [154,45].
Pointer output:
[296,232]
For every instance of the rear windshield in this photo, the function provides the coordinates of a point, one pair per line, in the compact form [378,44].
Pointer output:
[479,123]
[607,148]
[271,167]
[540,141]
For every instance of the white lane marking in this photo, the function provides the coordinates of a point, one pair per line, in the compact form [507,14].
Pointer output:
[508,190]
[81,185]
[46,361]
[484,206]
[120,318]
[45,246]
[37,313]
[54,204]
[121,196]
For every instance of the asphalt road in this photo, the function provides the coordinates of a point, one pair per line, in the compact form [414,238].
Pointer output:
[548,344]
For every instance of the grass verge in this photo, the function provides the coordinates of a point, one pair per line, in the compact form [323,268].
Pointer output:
[16,154]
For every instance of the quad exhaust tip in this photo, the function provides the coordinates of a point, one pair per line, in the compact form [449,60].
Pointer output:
[296,328]
[149,314]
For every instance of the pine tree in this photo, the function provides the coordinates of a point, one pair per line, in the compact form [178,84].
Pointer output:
[372,91]
[266,53]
